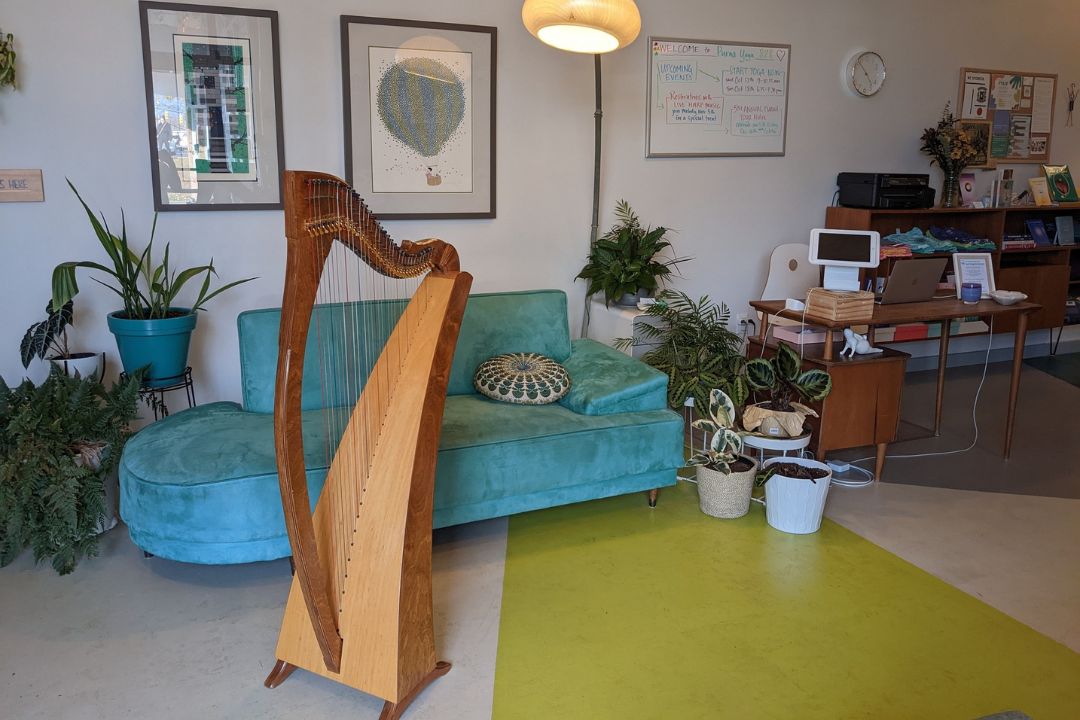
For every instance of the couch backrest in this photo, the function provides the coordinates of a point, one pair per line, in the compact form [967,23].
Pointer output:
[533,321]
[494,323]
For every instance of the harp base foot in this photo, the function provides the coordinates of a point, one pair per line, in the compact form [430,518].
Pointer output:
[393,711]
[277,676]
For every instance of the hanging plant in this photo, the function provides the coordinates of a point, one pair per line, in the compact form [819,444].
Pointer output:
[7,61]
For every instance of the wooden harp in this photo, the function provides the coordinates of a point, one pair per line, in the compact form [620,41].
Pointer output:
[384,318]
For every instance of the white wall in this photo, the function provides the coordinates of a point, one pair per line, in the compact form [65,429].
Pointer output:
[80,113]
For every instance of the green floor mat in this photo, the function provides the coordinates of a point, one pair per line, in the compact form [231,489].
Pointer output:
[612,610]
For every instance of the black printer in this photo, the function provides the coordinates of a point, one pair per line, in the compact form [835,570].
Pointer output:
[879,190]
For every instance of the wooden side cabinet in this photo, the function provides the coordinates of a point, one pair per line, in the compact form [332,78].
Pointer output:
[864,405]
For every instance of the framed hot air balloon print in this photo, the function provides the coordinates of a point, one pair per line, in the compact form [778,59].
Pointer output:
[419,102]
[213,93]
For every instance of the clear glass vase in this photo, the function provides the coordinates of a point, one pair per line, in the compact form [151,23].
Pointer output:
[950,189]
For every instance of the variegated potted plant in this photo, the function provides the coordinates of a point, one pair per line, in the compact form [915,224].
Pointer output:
[783,378]
[725,479]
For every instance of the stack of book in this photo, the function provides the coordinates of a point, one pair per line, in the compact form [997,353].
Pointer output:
[897,250]
[1015,242]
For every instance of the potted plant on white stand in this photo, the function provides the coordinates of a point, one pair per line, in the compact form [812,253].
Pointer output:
[48,340]
[795,493]
[150,330]
[783,378]
[725,479]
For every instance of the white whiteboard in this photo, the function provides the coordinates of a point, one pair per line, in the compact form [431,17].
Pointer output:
[716,98]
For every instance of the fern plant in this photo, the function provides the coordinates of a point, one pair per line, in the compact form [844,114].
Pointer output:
[782,377]
[694,348]
[58,442]
[624,260]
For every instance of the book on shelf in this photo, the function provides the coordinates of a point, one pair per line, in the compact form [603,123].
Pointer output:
[1066,233]
[1059,183]
[967,188]
[1038,233]
[1040,191]
[803,334]
[1003,195]
[1025,244]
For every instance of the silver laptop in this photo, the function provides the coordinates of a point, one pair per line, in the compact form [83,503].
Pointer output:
[912,281]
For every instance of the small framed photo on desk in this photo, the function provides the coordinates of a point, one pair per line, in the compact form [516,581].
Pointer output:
[974,268]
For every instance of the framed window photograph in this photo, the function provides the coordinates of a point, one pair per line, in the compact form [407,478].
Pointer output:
[213,104]
[976,268]
[419,104]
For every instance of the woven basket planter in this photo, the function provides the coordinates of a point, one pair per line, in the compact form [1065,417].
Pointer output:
[725,496]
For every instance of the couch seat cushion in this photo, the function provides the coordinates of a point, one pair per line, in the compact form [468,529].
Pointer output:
[201,484]
[491,450]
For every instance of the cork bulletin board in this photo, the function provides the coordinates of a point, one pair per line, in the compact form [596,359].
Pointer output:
[1015,110]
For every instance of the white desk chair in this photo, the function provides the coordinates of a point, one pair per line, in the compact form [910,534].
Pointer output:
[790,274]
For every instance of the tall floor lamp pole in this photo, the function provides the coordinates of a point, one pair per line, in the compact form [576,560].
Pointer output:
[585,26]
[598,117]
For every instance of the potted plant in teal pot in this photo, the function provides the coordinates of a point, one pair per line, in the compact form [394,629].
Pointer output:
[150,330]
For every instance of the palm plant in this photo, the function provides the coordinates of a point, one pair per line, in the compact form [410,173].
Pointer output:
[694,348]
[623,260]
[782,377]
[146,290]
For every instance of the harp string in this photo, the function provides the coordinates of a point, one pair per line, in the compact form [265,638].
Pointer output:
[357,310]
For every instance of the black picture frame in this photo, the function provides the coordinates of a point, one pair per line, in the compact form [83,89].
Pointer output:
[263,190]
[360,143]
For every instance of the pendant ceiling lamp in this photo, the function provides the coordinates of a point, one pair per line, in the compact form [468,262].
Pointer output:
[584,26]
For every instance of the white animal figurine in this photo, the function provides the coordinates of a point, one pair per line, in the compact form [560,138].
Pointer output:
[855,344]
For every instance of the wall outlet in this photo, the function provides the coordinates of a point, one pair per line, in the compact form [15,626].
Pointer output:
[741,319]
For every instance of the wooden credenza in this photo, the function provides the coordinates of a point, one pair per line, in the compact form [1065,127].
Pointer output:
[1043,274]
[864,405]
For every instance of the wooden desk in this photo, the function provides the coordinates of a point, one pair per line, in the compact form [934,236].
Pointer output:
[938,310]
[864,405]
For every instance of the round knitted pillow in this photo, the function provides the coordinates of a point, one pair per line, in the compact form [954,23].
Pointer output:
[522,378]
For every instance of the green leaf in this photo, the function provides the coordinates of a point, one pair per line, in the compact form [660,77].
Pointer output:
[726,441]
[721,408]
[739,392]
[814,384]
[760,374]
[706,425]
[787,362]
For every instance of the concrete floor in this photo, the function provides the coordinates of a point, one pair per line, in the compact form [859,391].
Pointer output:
[129,637]
[1045,451]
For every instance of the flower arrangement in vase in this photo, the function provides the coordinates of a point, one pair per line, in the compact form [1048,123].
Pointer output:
[953,149]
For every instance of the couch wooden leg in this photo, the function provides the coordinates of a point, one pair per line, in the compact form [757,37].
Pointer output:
[652,497]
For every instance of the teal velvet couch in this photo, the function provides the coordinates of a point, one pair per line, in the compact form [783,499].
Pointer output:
[201,484]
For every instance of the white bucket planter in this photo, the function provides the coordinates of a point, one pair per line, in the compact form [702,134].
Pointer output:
[792,505]
[725,496]
[86,364]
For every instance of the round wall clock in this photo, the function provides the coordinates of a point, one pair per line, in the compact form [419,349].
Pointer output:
[866,73]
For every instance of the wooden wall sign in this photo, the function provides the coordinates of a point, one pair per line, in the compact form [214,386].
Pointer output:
[21,186]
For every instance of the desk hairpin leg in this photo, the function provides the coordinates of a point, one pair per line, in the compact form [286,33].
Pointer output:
[943,361]
[1014,382]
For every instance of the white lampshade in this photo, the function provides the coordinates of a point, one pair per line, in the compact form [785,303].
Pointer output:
[584,26]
